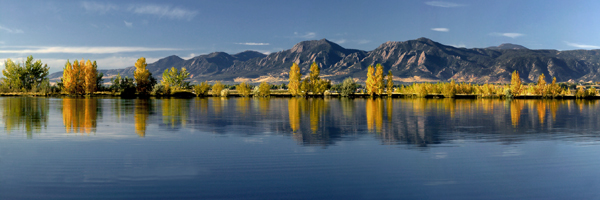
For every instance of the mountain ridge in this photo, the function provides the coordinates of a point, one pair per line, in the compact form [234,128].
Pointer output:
[417,60]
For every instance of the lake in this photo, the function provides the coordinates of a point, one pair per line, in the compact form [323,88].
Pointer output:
[296,148]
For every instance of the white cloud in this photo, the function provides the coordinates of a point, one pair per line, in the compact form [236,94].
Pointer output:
[253,43]
[510,35]
[163,11]
[363,41]
[10,30]
[149,9]
[461,45]
[340,41]
[582,46]
[128,24]
[308,35]
[1,42]
[98,7]
[112,62]
[440,29]
[188,57]
[84,50]
[443,4]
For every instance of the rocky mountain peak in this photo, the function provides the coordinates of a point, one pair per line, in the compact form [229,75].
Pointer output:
[247,55]
[318,45]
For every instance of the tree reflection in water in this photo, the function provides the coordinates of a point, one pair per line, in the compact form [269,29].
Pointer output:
[26,113]
[80,114]
[318,121]
[242,105]
[143,108]
[515,111]
[374,113]
[175,111]
[294,113]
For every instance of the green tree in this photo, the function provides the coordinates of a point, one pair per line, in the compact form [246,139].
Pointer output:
[295,80]
[27,76]
[115,83]
[174,79]
[12,75]
[348,87]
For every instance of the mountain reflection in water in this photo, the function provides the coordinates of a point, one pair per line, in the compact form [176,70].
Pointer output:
[315,121]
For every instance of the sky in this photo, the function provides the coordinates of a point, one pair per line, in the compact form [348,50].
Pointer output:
[117,33]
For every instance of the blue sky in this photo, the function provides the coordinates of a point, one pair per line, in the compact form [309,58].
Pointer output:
[116,33]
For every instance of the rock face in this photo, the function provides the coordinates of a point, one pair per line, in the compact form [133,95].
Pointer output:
[414,60]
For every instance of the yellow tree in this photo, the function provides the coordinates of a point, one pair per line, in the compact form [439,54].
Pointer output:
[295,80]
[371,84]
[142,76]
[515,83]
[541,85]
[379,79]
[68,79]
[390,83]
[264,89]
[243,89]
[81,77]
[216,88]
[314,77]
[91,74]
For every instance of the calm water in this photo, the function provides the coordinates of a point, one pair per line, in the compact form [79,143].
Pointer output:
[280,148]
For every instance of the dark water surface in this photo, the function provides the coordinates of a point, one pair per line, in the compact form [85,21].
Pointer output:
[282,148]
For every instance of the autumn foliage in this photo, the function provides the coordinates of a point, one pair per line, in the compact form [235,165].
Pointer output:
[80,77]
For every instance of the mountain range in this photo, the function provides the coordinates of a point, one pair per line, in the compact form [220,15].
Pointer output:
[417,60]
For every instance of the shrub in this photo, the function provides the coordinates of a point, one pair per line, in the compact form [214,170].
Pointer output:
[243,89]
[348,87]
[224,92]
[158,89]
[264,90]
[216,88]
[202,89]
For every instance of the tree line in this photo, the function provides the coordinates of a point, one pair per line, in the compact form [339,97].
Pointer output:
[82,78]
